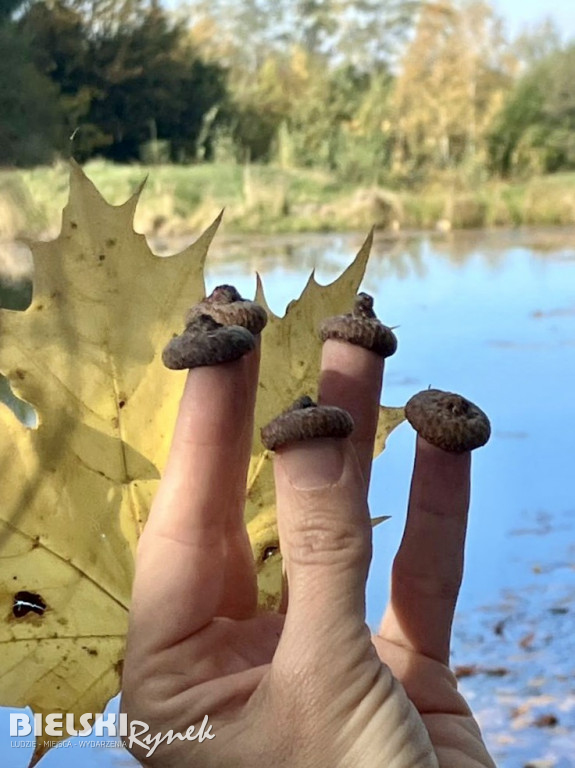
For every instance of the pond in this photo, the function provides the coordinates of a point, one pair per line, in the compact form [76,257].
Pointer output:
[492,316]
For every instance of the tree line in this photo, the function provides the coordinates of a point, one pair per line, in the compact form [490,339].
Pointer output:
[382,91]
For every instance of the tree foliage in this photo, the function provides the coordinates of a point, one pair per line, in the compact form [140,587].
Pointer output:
[377,91]
[125,80]
[453,77]
[29,123]
[535,131]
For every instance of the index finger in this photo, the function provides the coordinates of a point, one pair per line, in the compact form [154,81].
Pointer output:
[194,560]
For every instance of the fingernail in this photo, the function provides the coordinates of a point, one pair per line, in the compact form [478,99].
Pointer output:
[313,464]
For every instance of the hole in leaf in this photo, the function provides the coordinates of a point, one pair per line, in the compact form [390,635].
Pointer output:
[270,552]
[27,602]
[23,411]
[15,294]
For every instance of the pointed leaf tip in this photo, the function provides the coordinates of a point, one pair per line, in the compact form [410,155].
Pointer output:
[81,186]
[131,203]
[310,283]
[260,296]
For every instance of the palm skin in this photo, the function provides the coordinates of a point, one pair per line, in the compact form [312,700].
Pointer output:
[308,687]
[241,689]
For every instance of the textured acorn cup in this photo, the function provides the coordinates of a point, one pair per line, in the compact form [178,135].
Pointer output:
[361,327]
[305,420]
[448,421]
[220,329]
[227,307]
[206,342]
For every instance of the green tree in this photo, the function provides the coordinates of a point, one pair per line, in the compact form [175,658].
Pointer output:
[58,40]
[534,132]
[368,137]
[8,7]
[30,126]
[121,84]
[302,78]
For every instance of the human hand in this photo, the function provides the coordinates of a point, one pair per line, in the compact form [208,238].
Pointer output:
[311,688]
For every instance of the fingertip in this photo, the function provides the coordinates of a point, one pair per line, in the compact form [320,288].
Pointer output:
[439,474]
[312,464]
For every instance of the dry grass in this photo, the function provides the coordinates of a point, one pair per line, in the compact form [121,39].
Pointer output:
[180,200]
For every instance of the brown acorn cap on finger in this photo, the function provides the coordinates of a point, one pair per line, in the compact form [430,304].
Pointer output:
[207,342]
[306,420]
[227,307]
[361,327]
[220,329]
[448,421]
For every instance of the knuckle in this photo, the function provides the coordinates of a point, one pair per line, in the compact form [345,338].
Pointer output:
[322,538]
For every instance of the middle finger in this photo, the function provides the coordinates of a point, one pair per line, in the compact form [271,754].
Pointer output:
[351,378]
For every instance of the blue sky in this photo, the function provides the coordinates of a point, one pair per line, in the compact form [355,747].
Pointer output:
[520,12]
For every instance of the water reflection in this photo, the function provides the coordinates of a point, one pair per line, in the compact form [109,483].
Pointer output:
[393,255]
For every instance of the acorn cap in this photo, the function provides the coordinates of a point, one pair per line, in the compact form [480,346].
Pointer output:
[448,420]
[305,420]
[361,327]
[207,342]
[227,307]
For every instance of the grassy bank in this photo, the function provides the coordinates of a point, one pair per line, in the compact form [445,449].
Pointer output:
[265,199]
